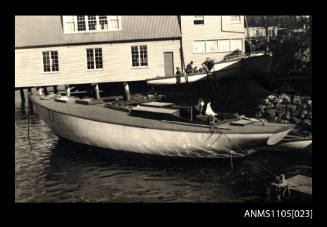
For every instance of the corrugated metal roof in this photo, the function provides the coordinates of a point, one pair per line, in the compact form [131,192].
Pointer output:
[48,30]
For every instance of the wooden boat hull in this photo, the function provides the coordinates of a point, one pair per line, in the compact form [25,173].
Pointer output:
[254,64]
[148,140]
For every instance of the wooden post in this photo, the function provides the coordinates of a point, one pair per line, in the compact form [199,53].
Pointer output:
[126,87]
[22,95]
[30,104]
[39,91]
[45,90]
[55,90]
[67,90]
[96,91]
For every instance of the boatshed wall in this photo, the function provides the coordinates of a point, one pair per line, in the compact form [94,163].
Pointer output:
[213,28]
[117,63]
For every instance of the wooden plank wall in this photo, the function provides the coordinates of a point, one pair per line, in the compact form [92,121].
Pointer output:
[117,64]
[214,28]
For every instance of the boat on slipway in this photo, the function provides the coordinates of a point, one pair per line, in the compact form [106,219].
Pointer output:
[137,131]
[255,63]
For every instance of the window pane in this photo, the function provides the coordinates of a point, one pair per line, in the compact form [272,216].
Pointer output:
[90,57]
[98,58]
[92,23]
[199,47]
[54,59]
[211,46]
[135,56]
[81,23]
[223,45]
[236,44]
[113,23]
[46,61]
[235,19]
[198,19]
[103,22]
[143,55]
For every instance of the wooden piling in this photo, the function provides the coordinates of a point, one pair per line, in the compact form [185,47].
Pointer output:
[126,88]
[22,95]
[45,90]
[96,91]
[68,90]
[55,90]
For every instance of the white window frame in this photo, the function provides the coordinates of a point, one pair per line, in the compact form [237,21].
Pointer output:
[95,68]
[139,56]
[97,27]
[218,50]
[50,59]
[204,47]
[235,22]
[194,19]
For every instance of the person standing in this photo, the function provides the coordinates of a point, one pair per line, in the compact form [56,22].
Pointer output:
[189,68]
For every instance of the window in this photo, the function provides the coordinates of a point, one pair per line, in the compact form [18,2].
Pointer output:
[220,45]
[199,47]
[236,44]
[50,61]
[114,23]
[198,19]
[223,45]
[139,56]
[103,22]
[69,24]
[81,23]
[211,46]
[93,23]
[94,56]
[235,19]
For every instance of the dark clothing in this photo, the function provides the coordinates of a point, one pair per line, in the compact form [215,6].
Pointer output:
[209,64]
[189,69]
[178,76]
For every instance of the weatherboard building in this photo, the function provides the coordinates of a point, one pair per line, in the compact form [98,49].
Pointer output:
[59,50]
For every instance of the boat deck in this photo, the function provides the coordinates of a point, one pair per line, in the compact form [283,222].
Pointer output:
[100,113]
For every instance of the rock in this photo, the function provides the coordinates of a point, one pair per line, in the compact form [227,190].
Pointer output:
[259,114]
[280,106]
[296,113]
[307,122]
[294,120]
[271,114]
[150,96]
[296,100]
[271,98]
[270,107]
[280,113]
[284,121]
[266,101]
[278,100]
[287,115]
[304,106]
[291,107]
[309,115]
[261,108]
[309,102]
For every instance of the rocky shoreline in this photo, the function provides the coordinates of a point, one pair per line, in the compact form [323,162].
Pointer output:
[285,108]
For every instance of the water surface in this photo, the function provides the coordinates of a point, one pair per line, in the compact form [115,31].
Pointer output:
[53,170]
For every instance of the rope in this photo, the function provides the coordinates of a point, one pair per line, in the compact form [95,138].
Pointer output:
[240,149]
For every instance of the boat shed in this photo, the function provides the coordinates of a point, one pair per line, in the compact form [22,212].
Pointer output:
[59,50]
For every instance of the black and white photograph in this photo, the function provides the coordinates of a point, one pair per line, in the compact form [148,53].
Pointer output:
[163,109]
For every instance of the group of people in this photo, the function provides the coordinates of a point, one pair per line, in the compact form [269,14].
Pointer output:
[207,65]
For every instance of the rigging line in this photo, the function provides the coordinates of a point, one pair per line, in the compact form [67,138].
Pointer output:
[246,155]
